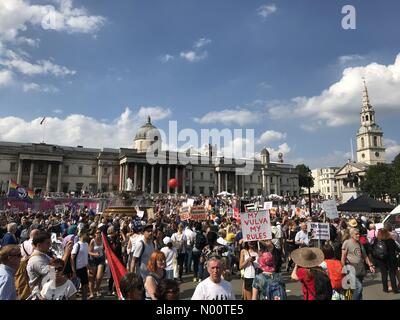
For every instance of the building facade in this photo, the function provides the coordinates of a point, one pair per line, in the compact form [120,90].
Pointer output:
[52,168]
[325,183]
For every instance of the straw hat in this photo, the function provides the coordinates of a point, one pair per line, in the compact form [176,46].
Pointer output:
[353,223]
[308,257]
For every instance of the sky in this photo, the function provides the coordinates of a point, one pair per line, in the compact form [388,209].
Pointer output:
[287,69]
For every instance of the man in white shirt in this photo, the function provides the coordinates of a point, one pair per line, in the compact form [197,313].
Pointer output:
[80,261]
[170,257]
[190,236]
[302,238]
[214,287]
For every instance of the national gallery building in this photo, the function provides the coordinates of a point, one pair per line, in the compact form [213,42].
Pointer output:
[54,168]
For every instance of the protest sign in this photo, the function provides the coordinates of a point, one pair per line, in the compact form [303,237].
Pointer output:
[198,213]
[319,231]
[190,202]
[256,225]
[251,207]
[140,214]
[331,209]
[267,205]
[150,213]
[185,213]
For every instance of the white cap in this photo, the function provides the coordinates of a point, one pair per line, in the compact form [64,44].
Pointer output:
[167,240]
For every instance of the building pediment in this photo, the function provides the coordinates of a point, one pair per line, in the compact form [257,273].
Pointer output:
[353,167]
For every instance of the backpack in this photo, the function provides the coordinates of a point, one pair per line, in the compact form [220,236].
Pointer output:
[335,273]
[322,285]
[200,241]
[379,250]
[274,288]
[22,279]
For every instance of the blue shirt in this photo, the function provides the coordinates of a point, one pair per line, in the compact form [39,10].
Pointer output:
[8,238]
[7,284]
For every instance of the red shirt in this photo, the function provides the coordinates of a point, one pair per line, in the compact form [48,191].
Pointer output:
[307,283]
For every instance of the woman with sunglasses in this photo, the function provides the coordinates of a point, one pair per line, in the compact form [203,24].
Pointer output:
[97,263]
[59,287]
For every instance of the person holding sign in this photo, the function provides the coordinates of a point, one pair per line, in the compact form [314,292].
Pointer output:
[302,239]
[248,264]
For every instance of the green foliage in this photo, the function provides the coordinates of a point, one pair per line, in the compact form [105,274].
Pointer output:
[305,178]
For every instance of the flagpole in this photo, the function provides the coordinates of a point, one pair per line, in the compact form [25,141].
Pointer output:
[42,123]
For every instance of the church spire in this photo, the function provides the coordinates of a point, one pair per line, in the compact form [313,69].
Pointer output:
[366,104]
[148,119]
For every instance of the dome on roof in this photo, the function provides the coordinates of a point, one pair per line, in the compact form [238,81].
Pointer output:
[146,131]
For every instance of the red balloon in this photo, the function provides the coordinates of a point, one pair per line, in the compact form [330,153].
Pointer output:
[173,183]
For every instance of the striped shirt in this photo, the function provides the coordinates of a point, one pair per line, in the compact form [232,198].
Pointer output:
[7,284]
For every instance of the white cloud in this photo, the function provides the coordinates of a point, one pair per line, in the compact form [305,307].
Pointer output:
[340,104]
[193,56]
[166,58]
[229,116]
[41,67]
[238,148]
[350,58]
[156,113]
[28,41]
[269,136]
[16,15]
[283,148]
[57,111]
[202,42]
[392,149]
[264,85]
[34,87]
[73,130]
[266,10]
[6,78]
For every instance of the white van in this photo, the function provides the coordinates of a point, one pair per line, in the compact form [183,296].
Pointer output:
[393,219]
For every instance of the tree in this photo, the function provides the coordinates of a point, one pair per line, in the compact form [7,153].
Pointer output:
[305,178]
[379,181]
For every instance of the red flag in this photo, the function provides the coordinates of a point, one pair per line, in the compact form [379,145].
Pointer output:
[116,267]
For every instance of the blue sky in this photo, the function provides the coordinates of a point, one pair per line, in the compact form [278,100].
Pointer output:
[285,68]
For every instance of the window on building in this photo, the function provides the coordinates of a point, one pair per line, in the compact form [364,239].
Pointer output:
[201,176]
[259,179]
[80,170]
[13,166]
[251,192]
[40,168]
[259,192]
[25,168]
[375,141]
[93,187]
[66,169]
[211,191]
[329,189]
[201,190]
[93,171]
[105,171]
[116,171]
[79,186]
[211,176]
[335,189]
[251,178]
[366,118]
[65,187]
[362,143]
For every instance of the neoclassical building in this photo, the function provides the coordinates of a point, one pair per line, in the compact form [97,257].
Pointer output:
[54,168]
[370,151]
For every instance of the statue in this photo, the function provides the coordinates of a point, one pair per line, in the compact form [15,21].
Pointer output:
[129,184]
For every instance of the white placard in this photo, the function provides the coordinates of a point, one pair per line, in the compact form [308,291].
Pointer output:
[256,225]
[319,231]
[140,214]
[331,209]
[268,205]
[190,202]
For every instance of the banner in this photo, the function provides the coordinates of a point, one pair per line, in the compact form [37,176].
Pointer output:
[267,205]
[256,225]
[185,213]
[251,207]
[331,209]
[116,267]
[319,231]
[190,202]
[198,213]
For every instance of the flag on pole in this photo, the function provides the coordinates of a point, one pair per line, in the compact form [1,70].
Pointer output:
[41,122]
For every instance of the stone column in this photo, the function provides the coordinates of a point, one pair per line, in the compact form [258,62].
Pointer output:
[276,185]
[48,180]
[144,179]
[152,180]
[219,181]
[184,180]
[59,177]
[110,179]
[268,185]
[135,177]
[168,177]
[236,184]
[30,186]
[121,178]
[278,182]
[226,182]
[19,174]
[99,177]
[176,177]
[160,181]
[264,187]
[243,178]
[190,181]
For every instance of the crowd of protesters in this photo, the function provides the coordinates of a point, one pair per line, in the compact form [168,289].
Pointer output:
[54,256]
